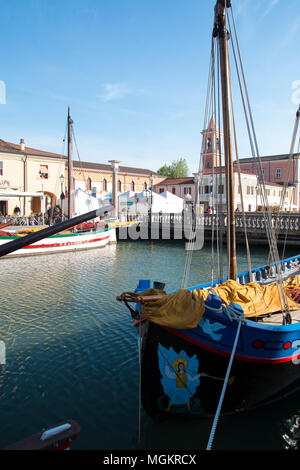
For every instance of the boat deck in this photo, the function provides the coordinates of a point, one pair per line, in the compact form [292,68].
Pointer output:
[276,318]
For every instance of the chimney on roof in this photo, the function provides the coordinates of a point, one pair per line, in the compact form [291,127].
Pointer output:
[22,145]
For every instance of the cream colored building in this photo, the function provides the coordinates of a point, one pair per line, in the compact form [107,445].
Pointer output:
[29,174]
[34,180]
[96,178]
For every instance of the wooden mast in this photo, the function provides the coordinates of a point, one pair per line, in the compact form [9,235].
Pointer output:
[70,166]
[220,31]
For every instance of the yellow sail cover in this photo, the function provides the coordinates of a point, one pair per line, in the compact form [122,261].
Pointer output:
[184,309]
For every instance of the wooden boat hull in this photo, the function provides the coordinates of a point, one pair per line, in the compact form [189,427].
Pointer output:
[65,242]
[265,368]
[59,437]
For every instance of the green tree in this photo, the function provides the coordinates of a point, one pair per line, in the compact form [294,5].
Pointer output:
[177,169]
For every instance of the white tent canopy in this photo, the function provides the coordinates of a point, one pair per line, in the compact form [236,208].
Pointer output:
[133,203]
[82,202]
[174,203]
[127,194]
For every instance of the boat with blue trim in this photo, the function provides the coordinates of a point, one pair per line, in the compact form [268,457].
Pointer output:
[231,344]
[265,363]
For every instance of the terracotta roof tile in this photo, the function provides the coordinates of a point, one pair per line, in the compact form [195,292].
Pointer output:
[107,167]
[16,148]
[187,180]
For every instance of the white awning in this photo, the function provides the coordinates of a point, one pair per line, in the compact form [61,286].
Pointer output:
[12,194]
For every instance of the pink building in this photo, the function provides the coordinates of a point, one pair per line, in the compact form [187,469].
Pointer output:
[181,187]
[276,169]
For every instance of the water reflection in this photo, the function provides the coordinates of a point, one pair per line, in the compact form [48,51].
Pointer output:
[72,352]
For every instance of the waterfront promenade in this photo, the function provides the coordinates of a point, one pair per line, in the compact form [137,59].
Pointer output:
[180,227]
[177,226]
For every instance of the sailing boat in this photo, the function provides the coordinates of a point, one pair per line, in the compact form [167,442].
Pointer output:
[84,235]
[229,341]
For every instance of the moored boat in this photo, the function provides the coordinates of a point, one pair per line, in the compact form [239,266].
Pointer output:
[58,437]
[81,239]
[87,234]
[231,344]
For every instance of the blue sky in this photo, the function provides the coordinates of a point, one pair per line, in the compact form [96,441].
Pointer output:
[134,73]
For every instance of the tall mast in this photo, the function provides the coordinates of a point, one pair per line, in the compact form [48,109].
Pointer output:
[220,31]
[70,166]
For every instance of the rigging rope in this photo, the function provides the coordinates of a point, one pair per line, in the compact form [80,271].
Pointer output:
[286,182]
[239,176]
[140,381]
[217,415]
[291,199]
[208,110]
[265,206]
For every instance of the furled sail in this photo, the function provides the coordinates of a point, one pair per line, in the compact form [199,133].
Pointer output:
[185,308]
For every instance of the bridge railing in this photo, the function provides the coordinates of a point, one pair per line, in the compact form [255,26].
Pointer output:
[255,221]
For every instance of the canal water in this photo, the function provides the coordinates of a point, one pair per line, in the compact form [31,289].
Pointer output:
[71,352]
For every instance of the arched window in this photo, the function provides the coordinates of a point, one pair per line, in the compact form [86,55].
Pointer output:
[89,184]
[145,185]
[119,186]
[132,185]
[104,185]
[208,164]
[208,143]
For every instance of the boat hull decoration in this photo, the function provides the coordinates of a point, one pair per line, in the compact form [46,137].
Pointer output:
[65,242]
[183,371]
[188,367]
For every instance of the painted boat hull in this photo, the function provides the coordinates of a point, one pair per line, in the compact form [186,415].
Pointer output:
[64,242]
[266,365]
[253,381]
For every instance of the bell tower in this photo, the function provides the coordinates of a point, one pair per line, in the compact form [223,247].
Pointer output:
[211,154]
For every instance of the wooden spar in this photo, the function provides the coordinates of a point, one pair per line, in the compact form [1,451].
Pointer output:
[5,225]
[52,230]
[220,31]
[139,299]
[70,166]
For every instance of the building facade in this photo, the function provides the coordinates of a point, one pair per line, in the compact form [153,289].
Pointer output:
[97,178]
[208,187]
[247,192]
[181,187]
[279,170]
[25,175]
[34,180]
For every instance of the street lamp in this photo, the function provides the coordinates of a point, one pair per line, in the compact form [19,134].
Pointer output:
[115,169]
[151,200]
[62,196]
[62,179]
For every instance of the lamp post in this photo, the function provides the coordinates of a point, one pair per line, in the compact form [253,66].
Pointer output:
[197,189]
[151,199]
[115,168]
[62,196]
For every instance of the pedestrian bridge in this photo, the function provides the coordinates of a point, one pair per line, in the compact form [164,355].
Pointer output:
[285,224]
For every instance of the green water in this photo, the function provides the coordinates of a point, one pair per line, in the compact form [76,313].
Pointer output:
[71,351]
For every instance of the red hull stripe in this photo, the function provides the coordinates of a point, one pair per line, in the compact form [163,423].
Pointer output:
[277,360]
[50,245]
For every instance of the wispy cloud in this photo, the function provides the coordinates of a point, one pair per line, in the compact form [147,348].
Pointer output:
[117,91]
[269,8]
[292,31]
[241,6]
[114,91]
